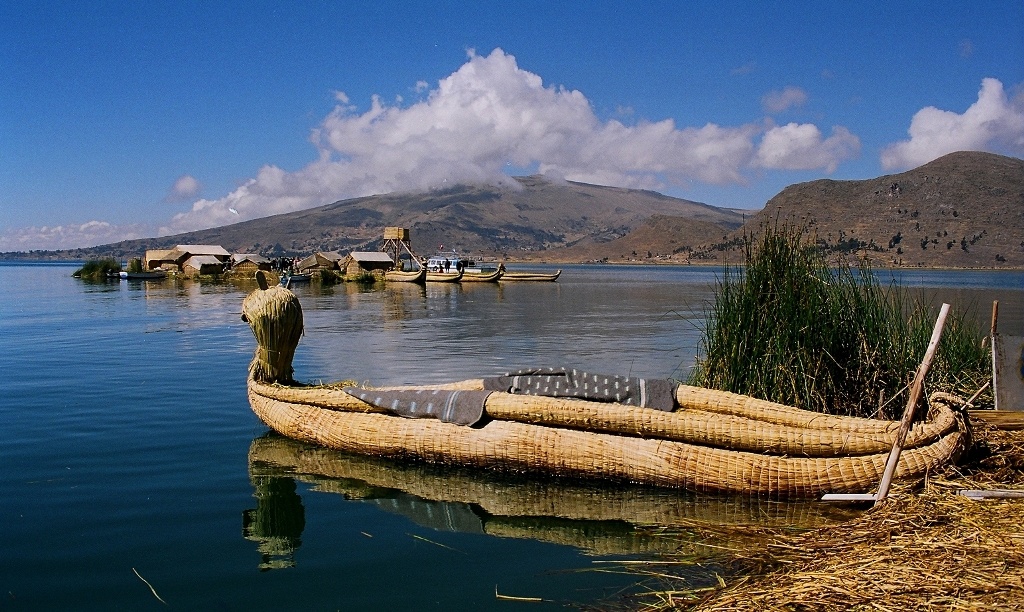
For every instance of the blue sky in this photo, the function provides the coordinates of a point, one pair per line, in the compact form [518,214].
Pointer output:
[134,119]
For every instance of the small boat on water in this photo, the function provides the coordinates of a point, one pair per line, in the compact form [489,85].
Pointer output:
[481,277]
[531,276]
[443,277]
[446,261]
[661,433]
[291,278]
[406,276]
[150,275]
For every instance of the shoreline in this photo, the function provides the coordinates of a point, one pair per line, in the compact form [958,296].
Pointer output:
[5,259]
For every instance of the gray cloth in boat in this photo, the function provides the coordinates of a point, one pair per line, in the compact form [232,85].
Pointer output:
[458,407]
[659,394]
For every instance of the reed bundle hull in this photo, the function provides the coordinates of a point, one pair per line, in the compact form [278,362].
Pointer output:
[412,276]
[481,277]
[443,277]
[561,451]
[531,276]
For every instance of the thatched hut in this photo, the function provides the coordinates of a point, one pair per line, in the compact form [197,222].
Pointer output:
[176,258]
[361,262]
[159,258]
[202,265]
[323,260]
[248,263]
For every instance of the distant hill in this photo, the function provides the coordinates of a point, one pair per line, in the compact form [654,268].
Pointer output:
[964,209]
[531,217]
[660,238]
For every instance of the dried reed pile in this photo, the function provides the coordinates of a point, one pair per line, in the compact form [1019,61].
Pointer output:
[920,550]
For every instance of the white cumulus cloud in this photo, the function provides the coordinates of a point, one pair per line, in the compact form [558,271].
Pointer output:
[490,114]
[186,187]
[69,236]
[786,98]
[994,123]
[802,147]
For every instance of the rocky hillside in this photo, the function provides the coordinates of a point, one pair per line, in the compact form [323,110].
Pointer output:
[964,209]
[533,217]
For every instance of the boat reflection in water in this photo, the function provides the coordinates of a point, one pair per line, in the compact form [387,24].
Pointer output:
[597,519]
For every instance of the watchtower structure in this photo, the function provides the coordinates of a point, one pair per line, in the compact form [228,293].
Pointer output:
[396,240]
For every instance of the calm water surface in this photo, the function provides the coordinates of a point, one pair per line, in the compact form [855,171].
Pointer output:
[128,444]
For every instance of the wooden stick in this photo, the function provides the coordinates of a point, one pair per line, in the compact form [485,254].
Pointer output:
[970,402]
[995,357]
[991,493]
[908,414]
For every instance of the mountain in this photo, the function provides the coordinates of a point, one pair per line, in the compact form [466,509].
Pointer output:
[532,215]
[964,209]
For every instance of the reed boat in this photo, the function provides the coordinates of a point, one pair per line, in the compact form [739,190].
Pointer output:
[481,277]
[149,275]
[704,441]
[531,276]
[443,277]
[411,276]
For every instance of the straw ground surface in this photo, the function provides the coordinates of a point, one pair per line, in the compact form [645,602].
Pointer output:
[925,548]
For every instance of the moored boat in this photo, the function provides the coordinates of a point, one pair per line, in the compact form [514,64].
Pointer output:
[406,276]
[705,440]
[150,275]
[481,277]
[292,278]
[443,277]
[446,261]
[531,276]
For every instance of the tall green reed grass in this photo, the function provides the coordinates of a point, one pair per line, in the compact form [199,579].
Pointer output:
[98,269]
[792,327]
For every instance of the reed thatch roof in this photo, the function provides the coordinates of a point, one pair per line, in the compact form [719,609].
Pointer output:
[322,260]
[181,253]
[238,258]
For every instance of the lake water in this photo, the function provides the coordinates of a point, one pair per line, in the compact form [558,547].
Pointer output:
[129,452]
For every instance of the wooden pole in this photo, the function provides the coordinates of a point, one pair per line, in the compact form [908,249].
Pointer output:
[995,356]
[916,388]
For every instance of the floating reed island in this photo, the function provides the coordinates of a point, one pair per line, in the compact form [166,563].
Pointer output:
[653,432]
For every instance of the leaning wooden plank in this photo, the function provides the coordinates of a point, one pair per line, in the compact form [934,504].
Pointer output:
[908,414]
[1010,420]
[850,497]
